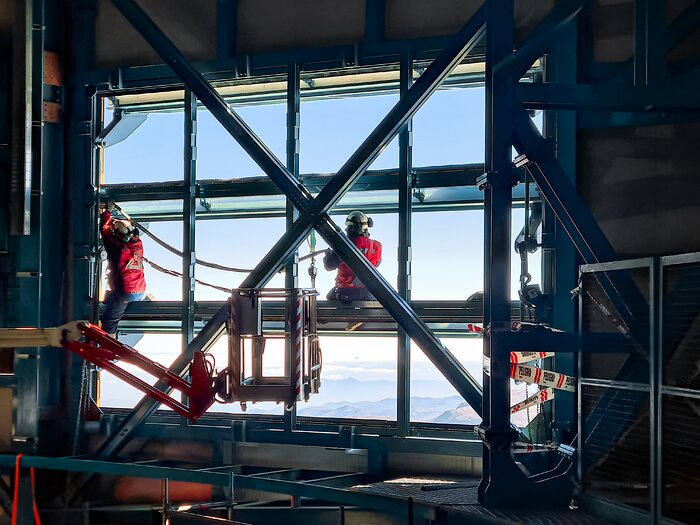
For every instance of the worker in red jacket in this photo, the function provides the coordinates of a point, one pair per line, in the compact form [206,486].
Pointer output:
[349,288]
[124,267]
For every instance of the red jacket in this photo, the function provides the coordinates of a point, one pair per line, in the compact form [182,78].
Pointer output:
[371,249]
[125,259]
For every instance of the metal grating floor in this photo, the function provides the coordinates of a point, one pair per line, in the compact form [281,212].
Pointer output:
[462,495]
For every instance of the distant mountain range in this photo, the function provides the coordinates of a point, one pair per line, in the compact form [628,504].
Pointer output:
[432,401]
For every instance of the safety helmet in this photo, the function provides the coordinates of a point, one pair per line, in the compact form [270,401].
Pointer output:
[358,223]
[122,230]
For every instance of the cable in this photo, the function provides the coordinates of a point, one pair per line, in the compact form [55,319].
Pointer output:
[173,273]
[177,252]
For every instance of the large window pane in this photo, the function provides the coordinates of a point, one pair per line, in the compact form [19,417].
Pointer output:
[239,243]
[161,286]
[448,254]
[152,153]
[358,380]
[332,129]
[449,128]
[219,156]
[163,348]
[433,398]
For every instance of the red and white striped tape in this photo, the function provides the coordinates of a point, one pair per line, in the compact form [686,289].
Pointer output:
[524,357]
[539,376]
[474,328]
[297,354]
[526,448]
[544,395]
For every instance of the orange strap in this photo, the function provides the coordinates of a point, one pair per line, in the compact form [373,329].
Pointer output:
[15,500]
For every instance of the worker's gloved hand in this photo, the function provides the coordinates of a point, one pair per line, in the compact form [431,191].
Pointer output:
[109,206]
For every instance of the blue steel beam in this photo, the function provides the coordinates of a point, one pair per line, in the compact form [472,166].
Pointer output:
[311,209]
[497,480]
[671,97]
[391,505]
[189,212]
[403,361]
[560,193]
[291,268]
[543,36]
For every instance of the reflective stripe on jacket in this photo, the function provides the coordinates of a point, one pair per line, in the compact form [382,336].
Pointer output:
[125,259]
[371,249]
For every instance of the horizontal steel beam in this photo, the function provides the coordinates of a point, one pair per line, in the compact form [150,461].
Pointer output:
[392,505]
[373,180]
[596,97]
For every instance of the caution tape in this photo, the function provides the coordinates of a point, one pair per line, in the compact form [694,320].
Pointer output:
[527,448]
[524,357]
[539,376]
[474,328]
[537,398]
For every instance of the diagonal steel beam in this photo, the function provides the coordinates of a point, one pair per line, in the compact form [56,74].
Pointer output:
[542,37]
[313,210]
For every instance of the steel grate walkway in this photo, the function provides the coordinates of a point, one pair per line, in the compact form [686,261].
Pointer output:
[462,495]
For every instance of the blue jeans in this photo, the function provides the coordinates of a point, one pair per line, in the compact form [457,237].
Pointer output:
[348,295]
[115,306]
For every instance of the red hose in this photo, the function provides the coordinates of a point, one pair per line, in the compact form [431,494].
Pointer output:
[15,500]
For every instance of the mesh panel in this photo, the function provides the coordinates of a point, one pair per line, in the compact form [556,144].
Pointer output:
[680,460]
[618,356]
[615,451]
[681,329]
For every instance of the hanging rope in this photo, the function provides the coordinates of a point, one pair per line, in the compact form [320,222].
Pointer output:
[312,255]
[173,273]
[177,252]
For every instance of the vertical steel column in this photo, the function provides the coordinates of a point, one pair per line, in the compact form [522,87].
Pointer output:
[496,485]
[403,365]
[375,21]
[291,276]
[226,28]
[656,363]
[80,168]
[189,207]
[560,259]
[21,172]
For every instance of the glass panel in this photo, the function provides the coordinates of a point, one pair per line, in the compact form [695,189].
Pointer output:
[449,128]
[219,156]
[358,380]
[238,243]
[448,255]
[433,398]
[152,153]
[163,348]
[333,129]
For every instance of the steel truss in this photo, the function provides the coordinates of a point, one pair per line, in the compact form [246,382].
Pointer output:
[508,124]
[313,212]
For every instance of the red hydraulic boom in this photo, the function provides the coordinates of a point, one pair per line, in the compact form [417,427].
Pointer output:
[104,351]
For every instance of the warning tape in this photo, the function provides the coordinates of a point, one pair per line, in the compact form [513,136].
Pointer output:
[524,357]
[526,448]
[537,398]
[474,328]
[539,376]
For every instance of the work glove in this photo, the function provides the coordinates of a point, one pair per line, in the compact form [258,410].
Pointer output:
[109,206]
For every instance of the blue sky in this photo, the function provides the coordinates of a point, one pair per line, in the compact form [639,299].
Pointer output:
[447,246]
